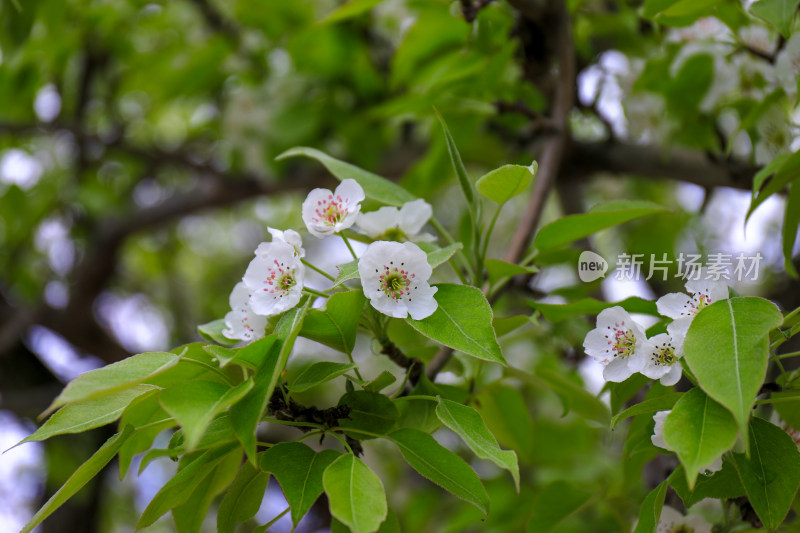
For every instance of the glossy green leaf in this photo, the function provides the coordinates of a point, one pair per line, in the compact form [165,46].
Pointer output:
[463,321]
[723,484]
[221,354]
[347,271]
[438,464]
[455,158]
[726,348]
[505,325]
[502,184]
[190,515]
[88,414]
[786,171]
[194,404]
[79,478]
[554,504]
[143,411]
[369,411]
[337,324]
[318,373]
[699,430]
[498,270]
[778,13]
[375,187]
[574,227]
[254,354]
[469,425]
[383,380]
[355,494]
[573,396]
[212,331]
[591,306]
[178,488]
[299,470]
[772,473]
[787,404]
[113,377]
[243,499]
[648,407]
[650,511]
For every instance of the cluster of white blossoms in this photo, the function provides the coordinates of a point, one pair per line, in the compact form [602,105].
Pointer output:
[394,275]
[672,521]
[620,343]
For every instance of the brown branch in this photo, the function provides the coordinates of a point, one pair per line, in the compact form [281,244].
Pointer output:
[470,8]
[413,365]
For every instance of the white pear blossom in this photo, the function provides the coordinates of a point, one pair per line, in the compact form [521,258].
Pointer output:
[275,279]
[391,223]
[658,358]
[657,438]
[673,521]
[682,308]
[616,338]
[289,236]
[775,137]
[395,279]
[242,322]
[787,65]
[326,212]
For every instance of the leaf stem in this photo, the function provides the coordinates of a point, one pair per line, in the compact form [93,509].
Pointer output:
[317,269]
[315,292]
[460,253]
[787,355]
[266,526]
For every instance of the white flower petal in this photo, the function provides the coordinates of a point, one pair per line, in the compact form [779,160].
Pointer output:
[350,191]
[677,330]
[657,438]
[376,223]
[394,277]
[326,212]
[714,290]
[617,371]
[241,321]
[596,343]
[673,376]
[669,520]
[414,215]
[675,305]
[290,237]
[613,316]
[275,280]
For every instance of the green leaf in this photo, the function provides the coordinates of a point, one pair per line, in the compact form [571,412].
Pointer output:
[463,179]
[336,326]
[463,321]
[347,271]
[88,414]
[574,227]
[469,425]
[190,515]
[248,412]
[144,410]
[556,502]
[722,485]
[648,407]
[221,354]
[212,331]
[791,223]
[80,477]
[573,396]
[441,466]
[785,173]
[498,270]
[375,187]
[727,347]
[254,354]
[369,411]
[383,380]
[242,501]
[778,13]
[502,184]
[787,404]
[772,473]
[318,373]
[590,306]
[505,412]
[650,511]
[113,377]
[194,404]
[178,488]
[699,430]
[299,471]
[505,325]
[351,9]
[355,494]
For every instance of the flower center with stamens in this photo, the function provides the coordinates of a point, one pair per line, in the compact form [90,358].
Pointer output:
[664,355]
[623,343]
[331,211]
[394,282]
[280,279]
